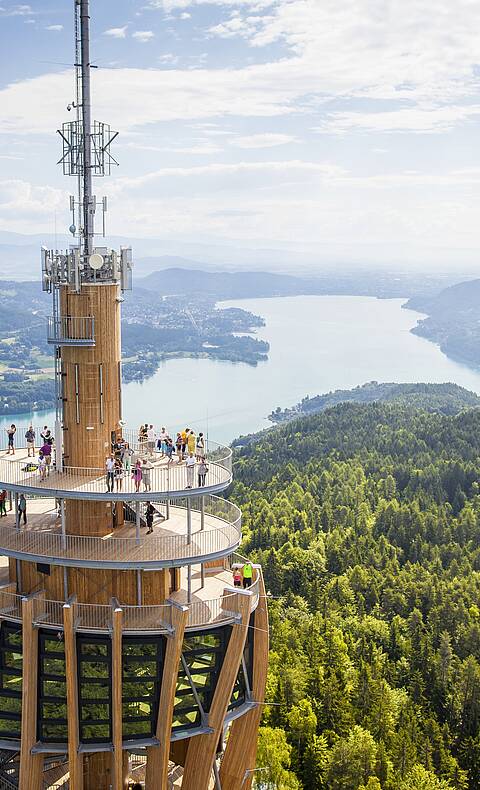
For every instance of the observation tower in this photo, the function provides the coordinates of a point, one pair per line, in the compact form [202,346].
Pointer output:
[124,656]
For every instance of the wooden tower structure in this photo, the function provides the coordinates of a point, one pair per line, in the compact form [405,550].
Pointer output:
[124,655]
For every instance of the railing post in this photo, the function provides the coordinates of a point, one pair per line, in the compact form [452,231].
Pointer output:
[62,517]
[137,522]
[75,760]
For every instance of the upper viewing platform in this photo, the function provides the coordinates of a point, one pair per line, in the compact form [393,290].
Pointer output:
[158,477]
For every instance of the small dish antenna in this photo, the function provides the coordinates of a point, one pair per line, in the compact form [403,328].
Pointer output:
[96,261]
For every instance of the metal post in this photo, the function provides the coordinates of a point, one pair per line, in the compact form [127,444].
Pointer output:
[139,587]
[202,513]
[88,205]
[202,575]
[10,502]
[189,584]
[137,522]
[65,583]
[19,576]
[189,522]
[17,514]
[62,517]
[168,509]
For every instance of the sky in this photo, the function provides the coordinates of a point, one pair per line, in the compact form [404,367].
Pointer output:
[346,129]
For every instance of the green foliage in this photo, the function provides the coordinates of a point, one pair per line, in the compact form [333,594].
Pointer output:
[366,520]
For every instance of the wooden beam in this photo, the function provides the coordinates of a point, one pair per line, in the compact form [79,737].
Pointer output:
[117,755]
[31,765]
[241,752]
[202,748]
[75,760]
[157,756]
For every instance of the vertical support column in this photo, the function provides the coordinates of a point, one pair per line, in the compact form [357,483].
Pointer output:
[189,584]
[75,762]
[202,514]
[139,587]
[241,752]
[17,514]
[202,575]
[189,522]
[62,517]
[31,765]
[117,756]
[157,756]
[202,748]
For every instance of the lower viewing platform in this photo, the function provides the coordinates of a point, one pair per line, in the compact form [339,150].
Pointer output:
[201,528]
[209,606]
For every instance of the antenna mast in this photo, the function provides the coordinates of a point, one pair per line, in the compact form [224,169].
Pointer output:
[86,119]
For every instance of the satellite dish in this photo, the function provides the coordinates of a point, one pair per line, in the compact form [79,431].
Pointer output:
[96,261]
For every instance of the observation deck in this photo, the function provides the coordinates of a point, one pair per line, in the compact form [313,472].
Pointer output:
[19,473]
[210,606]
[214,532]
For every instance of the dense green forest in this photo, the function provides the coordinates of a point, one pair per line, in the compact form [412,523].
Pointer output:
[366,520]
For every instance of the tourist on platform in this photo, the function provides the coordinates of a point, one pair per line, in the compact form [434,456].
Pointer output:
[137,476]
[110,470]
[46,435]
[151,440]
[184,435]
[191,442]
[237,577]
[22,509]
[11,435]
[169,448]
[46,451]
[178,444]
[200,446]
[127,453]
[142,437]
[190,463]
[247,574]
[30,437]
[202,472]
[118,474]
[149,513]
[3,503]
[42,465]
[162,441]
[147,467]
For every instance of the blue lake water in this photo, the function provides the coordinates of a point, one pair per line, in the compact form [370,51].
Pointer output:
[317,344]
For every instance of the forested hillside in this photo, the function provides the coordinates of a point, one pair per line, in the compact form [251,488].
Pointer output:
[366,520]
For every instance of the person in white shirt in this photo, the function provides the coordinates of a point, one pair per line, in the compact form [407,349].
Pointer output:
[151,440]
[190,463]
[162,441]
[110,469]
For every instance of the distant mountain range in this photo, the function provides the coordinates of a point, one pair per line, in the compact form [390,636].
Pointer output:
[453,320]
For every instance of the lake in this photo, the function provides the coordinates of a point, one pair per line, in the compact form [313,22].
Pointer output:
[317,344]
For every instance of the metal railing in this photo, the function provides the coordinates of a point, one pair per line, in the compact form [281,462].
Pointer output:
[98,617]
[162,478]
[71,330]
[221,534]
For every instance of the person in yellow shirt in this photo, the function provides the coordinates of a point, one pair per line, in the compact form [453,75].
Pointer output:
[247,574]
[191,442]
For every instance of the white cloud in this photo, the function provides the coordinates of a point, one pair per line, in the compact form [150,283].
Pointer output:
[54,27]
[418,119]
[185,15]
[116,32]
[266,140]
[17,10]
[143,35]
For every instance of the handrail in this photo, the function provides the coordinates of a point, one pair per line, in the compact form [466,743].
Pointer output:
[146,549]
[90,482]
[71,329]
[98,617]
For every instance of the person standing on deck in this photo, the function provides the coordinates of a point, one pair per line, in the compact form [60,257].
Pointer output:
[30,437]
[22,509]
[190,463]
[202,472]
[110,469]
[151,440]
[147,467]
[200,446]
[46,451]
[11,434]
[247,574]
[137,476]
[149,513]
[191,442]
[162,441]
